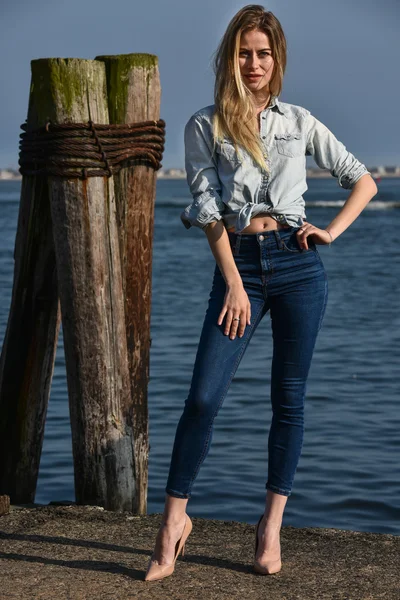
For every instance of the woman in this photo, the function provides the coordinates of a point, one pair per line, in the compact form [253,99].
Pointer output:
[246,168]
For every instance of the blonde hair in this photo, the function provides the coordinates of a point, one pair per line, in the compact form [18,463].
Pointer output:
[235,115]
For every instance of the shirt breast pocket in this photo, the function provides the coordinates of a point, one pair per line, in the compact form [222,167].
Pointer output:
[290,143]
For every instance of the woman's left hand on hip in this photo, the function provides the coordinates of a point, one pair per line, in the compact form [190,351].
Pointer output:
[318,236]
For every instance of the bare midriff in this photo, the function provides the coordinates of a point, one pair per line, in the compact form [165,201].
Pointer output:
[262,222]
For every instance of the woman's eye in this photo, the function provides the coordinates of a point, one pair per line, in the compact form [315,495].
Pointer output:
[260,54]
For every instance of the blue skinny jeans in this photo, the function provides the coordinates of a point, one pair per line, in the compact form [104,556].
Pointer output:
[291,282]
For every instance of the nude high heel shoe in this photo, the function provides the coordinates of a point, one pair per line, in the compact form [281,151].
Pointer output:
[157,571]
[268,567]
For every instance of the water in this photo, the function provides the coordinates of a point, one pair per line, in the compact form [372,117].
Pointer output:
[348,475]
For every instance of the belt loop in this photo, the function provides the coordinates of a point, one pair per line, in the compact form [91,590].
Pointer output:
[277,239]
[237,244]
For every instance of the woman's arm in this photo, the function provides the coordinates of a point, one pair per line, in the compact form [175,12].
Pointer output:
[236,303]
[206,212]
[201,175]
[330,153]
[220,247]
[362,192]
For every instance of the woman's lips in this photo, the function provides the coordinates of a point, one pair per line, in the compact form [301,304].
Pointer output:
[253,76]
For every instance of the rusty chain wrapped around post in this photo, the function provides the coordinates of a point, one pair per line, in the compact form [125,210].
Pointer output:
[81,150]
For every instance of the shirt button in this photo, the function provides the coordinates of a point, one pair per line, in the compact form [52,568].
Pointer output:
[261,237]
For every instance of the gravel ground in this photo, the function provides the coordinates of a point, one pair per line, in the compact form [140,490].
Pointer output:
[71,552]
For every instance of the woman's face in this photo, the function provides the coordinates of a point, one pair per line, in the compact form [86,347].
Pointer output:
[255,60]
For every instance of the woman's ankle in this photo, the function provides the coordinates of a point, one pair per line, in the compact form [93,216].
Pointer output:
[275,505]
[272,521]
[172,520]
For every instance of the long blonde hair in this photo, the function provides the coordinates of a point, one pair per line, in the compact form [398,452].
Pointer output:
[235,115]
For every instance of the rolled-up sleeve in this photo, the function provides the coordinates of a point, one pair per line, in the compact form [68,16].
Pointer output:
[201,175]
[330,153]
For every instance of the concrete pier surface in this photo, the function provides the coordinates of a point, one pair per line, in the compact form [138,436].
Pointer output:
[57,552]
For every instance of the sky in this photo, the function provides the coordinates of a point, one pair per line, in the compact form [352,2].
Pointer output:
[343,61]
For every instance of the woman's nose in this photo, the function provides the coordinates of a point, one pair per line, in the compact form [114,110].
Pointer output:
[253,60]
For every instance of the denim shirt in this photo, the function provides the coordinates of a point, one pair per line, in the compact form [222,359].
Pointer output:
[229,185]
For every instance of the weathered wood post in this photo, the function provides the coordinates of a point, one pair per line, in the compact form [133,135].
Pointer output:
[30,342]
[134,94]
[74,241]
[91,294]
[90,288]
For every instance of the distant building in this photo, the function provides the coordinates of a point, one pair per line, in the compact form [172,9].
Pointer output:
[171,174]
[10,174]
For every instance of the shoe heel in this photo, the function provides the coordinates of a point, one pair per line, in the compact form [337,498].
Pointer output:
[269,567]
[156,571]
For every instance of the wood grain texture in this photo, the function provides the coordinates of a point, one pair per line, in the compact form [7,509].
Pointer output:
[91,294]
[134,94]
[4,505]
[30,343]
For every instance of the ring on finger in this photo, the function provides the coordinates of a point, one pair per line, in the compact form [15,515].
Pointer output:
[235,319]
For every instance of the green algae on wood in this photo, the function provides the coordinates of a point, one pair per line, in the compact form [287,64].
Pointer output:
[62,86]
[118,71]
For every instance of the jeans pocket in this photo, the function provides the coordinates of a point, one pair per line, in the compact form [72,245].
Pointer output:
[291,244]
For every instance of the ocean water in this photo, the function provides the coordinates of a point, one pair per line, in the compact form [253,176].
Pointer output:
[348,475]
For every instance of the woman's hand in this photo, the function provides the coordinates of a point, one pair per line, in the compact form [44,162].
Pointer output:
[236,304]
[319,236]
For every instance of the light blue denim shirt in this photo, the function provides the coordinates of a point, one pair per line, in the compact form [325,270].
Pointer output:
[231,186]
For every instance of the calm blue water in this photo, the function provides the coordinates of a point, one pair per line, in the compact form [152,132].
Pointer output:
[348,476]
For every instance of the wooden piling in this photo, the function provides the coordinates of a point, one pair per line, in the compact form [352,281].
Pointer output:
[134,93]
[78,241]
[90,288]
[30,342]
[91,295]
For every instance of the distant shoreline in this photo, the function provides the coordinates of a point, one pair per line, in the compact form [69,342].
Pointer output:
[323,175]
[5,175]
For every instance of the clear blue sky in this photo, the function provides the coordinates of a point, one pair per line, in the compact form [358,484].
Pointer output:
[343,60]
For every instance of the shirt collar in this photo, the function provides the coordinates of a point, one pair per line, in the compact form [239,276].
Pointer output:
[275,103]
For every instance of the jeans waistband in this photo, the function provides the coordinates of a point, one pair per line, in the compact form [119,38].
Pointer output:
[270,237]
